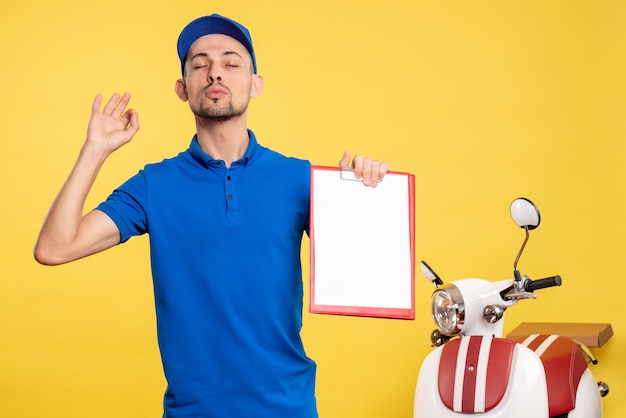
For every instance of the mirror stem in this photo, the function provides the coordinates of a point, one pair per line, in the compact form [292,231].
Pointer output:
[516,272]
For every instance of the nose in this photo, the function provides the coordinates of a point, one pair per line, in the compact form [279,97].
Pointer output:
[215,74]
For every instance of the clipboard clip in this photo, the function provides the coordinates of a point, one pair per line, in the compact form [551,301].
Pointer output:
[347,173]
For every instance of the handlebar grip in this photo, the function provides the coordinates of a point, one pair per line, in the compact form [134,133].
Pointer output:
[532,285]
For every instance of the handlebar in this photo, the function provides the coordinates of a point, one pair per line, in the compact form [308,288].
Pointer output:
[532,285]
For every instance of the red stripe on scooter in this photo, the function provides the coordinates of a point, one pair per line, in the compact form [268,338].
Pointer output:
[498,372]
[447,371]
[469,379]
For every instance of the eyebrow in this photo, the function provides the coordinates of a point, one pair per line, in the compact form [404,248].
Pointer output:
[223,54]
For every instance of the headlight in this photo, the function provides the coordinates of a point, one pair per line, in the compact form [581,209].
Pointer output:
[448,309]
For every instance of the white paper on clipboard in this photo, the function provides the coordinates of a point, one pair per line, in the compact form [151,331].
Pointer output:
[362,245]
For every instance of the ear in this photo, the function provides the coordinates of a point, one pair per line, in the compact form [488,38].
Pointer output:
[181,90]
[257,85]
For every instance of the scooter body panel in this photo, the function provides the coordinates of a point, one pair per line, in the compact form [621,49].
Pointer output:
[525,396]
[588,400]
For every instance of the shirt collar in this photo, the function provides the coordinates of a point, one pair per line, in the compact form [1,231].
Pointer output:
[206,160]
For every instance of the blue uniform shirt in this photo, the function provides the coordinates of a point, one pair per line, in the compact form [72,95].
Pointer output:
[225,253]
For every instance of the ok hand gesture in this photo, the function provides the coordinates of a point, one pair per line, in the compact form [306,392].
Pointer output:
[114,126]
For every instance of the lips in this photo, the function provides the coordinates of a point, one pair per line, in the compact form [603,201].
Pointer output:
[215,92]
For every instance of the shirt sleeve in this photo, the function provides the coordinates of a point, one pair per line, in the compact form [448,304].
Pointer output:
[126,206]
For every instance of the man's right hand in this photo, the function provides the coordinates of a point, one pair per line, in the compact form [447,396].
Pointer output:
[114,126]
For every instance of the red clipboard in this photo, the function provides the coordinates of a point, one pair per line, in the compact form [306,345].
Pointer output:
[362,245]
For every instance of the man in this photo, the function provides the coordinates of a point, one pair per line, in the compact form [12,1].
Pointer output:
[226,219]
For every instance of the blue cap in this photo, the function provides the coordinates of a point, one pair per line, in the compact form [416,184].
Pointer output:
[209,25]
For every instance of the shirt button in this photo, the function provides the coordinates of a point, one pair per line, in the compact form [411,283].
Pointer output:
[227,177]
[230,197]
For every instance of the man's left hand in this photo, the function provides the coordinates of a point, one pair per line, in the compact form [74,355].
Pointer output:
[370,171]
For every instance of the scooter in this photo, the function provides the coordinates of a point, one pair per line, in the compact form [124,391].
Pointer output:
[474,370]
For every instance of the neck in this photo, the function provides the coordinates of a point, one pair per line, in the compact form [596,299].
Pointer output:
[223,140]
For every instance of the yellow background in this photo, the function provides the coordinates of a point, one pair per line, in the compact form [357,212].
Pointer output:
[483,101]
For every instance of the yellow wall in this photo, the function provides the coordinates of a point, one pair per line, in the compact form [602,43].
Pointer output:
[483,100]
